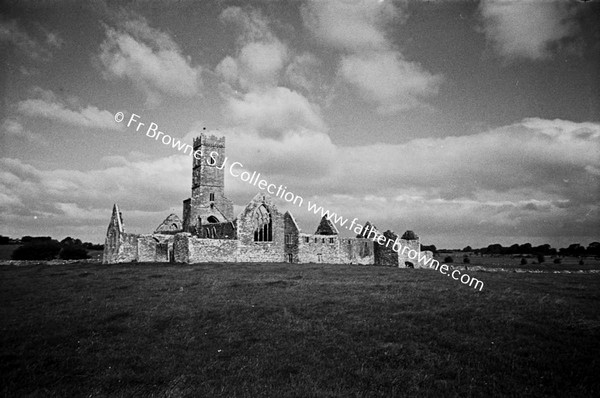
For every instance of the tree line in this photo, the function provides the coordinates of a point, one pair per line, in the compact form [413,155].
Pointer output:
[575,250]
[46,248]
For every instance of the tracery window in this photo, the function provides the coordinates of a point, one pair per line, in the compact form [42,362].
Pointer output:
[263,225]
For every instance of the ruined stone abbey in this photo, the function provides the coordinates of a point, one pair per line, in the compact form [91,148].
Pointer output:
[209,231]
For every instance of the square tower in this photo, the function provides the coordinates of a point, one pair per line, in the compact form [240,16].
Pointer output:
[208,203]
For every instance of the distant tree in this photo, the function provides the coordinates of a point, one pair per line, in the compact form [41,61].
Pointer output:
[467,249]
[593,249]
[73,252]
[496,248]
[448,259]
[70,241]
[92,246]
[67,241]
[514,249]
[581,262]
[525,248]
[541,258]
[523,261]
[37,250]
[557,260]
[4,240]
[430,248]
[466,260]
[542,249]
[576,250]
[26,239]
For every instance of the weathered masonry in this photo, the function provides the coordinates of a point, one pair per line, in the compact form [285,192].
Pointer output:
[209,232]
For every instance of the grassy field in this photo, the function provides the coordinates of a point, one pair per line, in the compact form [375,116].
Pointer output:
[6,251]
[281,330]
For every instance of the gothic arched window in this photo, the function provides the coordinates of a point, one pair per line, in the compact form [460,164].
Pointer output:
[262,224]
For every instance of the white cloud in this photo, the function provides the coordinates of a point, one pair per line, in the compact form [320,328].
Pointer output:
[253,26]
[257,68]
[370,62]
[526,29]
[350,25]
[258,64]
[150,59]
[12,127]
[302,72]
[64,200]
[273,110]
[535,178]
[260,56]
[392,82]
[49,107]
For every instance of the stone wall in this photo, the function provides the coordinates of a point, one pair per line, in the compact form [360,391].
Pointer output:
[212,250]
[385,254]
[318,249]
[127,249]
[181,244]
[356,251]
[403,259]
[191,249]
[291,236]
[154,248]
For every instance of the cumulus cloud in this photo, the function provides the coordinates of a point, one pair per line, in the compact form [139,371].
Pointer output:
[64,200]
[370,62]
[257,64]
[260,56]
[50,107]
[257,68]
[350,25]
[533,178]
[388,80]
[273,110]
[526,29]
[150,59]
[302,73]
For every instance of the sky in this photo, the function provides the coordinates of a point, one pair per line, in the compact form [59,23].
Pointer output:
[468,122]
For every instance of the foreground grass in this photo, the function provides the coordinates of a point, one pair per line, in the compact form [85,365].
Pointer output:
[294,330]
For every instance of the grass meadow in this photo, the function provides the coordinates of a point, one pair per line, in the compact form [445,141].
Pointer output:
[282,330]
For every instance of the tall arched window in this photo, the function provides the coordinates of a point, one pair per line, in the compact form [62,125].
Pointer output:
[263,225]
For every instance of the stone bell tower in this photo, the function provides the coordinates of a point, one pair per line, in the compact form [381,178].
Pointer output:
[208,203]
